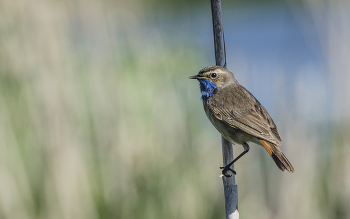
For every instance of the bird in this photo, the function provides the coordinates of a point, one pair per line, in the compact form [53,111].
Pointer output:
[238,115]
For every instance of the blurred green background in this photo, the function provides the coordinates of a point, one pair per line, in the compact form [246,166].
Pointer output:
[99,120]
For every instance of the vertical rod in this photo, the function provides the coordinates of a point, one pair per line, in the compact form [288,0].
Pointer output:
[230,187]
[218,30]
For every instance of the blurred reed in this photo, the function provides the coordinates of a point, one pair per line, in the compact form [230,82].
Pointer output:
[97,123]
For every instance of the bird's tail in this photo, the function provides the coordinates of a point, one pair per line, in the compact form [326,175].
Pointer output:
[281,161]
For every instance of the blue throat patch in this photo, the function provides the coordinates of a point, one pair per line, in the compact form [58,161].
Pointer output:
[207,88]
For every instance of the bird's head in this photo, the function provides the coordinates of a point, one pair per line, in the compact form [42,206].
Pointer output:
[213,78]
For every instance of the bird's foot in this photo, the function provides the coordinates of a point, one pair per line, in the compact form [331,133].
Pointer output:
[225,170]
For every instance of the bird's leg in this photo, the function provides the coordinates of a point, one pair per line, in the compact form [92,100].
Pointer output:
[227,167]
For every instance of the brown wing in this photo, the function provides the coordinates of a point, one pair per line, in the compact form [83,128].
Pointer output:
[239,108]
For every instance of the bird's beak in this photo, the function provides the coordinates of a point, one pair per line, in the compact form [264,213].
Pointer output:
[196,77]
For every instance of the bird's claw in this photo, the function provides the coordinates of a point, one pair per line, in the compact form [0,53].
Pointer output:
[225,169]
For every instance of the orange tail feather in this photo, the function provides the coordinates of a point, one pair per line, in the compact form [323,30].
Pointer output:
[280,159]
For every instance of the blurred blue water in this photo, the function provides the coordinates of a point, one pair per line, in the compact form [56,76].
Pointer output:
[279,44]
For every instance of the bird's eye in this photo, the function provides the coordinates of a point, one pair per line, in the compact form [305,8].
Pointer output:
[213,75]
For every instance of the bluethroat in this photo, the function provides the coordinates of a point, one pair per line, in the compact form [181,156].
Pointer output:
[238,115]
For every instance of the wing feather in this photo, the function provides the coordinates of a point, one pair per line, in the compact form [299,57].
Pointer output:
[240,109]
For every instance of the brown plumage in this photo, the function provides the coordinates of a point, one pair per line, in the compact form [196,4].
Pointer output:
[238,115]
